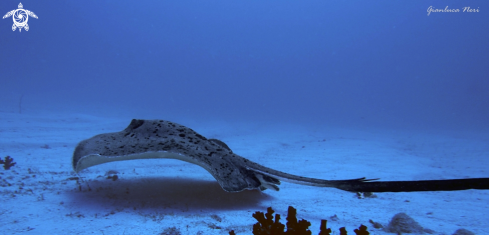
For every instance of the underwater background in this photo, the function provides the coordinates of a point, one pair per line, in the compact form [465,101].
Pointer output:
[382,63]
[324,89]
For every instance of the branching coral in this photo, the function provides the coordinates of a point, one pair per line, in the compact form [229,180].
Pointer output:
[267,225]
[7,163]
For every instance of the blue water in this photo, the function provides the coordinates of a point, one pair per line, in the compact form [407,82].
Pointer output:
[318,88]
[382,63]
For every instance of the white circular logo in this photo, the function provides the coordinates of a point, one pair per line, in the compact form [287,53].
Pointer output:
[20,17]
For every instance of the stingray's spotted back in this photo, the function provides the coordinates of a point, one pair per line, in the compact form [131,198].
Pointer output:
[165,139]
[143,136]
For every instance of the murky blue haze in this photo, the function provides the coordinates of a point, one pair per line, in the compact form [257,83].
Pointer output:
[382,63]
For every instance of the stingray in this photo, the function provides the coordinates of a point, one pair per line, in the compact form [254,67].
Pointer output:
[150,139]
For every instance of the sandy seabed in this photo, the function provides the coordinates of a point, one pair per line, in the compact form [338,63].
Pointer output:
[41,193]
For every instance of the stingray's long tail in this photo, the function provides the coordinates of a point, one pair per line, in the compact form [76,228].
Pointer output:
[272,177]
[412,186]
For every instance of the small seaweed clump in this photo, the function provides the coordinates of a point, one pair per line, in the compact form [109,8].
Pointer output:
[7,163]
[268,225]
